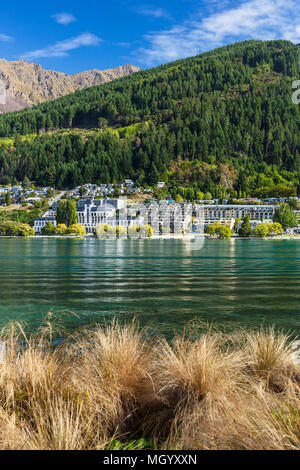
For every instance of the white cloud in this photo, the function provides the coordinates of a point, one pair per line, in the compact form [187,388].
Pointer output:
[152,11]
[61,48]
[5,38]
[64,18]
[252,19]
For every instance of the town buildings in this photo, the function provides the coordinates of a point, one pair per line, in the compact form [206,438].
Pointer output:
[225,214]
[95,205]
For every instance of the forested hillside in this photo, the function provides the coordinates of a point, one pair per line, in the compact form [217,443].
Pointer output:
[221,122]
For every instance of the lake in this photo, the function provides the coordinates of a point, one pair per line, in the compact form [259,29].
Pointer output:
[162,282]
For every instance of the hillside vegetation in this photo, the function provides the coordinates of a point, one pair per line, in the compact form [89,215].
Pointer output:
[221,122]
[28,83]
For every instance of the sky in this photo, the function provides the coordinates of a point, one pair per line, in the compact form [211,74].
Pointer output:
[72,36]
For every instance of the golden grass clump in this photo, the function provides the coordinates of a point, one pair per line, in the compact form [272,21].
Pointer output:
[270,356]
[114,387]
[112,374]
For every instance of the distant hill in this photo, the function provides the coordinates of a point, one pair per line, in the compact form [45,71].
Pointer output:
[28,84]
[222,123]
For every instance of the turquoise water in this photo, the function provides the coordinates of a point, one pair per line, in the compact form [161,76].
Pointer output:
[162,282]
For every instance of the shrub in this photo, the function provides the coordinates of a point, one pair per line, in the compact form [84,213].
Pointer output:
[261,231]
[222,231]
[11,228]
[274,228]
[121,232]
[61,229]
[146,231]
[49,229]
[76,229]
[211,229]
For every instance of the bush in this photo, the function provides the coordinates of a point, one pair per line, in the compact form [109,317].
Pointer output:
[49,229]
[274,228]
[61,229]
[261,231]
[121,232]
[10,228]
[76,229]
[211,229]
[146,231]
[222,231]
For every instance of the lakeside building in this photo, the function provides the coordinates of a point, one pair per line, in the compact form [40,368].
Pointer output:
[169,217]
[40,222]
[226,213]
[92,212]
[163,216]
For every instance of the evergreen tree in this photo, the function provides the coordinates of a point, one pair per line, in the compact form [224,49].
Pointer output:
[7,198]
[245,229]
[49,229]
[26,183]
[66,213]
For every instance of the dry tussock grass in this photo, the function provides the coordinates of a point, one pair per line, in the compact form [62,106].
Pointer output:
[202,391]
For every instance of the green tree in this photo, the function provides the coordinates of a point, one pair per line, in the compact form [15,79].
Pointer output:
[245,229]
[274,228]
[236,223]
[49,229]
[66,213]
[211,229]
[293,203]
[224,232]
[285,216]
[82,191]
[26,183]
[261,231]
[12,228]
[179,198]
[7,198]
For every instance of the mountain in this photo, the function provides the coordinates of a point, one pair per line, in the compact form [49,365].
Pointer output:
[221,123]
[28,84]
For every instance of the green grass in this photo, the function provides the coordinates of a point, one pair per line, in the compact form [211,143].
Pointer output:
[23,216]
[9,141]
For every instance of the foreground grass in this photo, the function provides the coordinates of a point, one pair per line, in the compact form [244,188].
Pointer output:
[113,388]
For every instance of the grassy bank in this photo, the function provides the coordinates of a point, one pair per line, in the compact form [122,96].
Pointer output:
[112,387]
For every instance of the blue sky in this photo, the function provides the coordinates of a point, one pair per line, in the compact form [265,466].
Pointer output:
[71,36]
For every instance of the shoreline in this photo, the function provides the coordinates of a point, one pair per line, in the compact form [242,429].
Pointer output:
[156,237]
